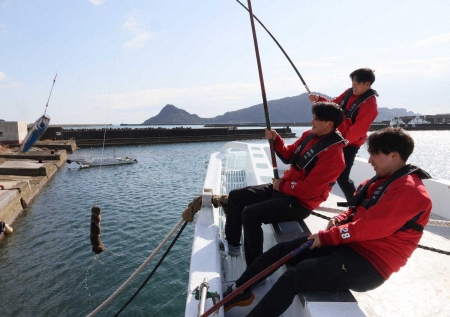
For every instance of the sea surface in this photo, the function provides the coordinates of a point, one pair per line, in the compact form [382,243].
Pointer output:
[47,267]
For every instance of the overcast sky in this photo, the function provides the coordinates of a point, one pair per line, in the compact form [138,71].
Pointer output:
[123,61]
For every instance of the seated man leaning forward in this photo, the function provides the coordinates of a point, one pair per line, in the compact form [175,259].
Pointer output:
[316,162]
[360,248]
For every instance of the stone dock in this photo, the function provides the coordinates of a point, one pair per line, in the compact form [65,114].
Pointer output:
[22,177]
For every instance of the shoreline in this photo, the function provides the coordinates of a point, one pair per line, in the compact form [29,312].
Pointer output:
[22,177]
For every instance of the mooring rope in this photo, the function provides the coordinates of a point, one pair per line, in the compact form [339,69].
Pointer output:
[154,269]
[431,222]
[133,276]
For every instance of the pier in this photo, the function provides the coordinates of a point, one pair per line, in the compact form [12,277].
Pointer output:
[23,176]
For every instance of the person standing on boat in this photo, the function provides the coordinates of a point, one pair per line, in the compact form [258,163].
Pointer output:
[316,160]
[360,248]
[360,108]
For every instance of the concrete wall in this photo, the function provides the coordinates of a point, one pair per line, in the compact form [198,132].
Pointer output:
[13,132]
[57,133]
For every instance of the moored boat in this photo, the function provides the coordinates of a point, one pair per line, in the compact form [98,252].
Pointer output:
[414,291]
[397,122]
[418,120]
[107,161]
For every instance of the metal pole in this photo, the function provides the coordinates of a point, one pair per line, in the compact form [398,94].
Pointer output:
[263,90]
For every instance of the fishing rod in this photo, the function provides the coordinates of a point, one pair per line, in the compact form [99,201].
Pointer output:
[259,276]
[263,91]
[281,48]
[48,100]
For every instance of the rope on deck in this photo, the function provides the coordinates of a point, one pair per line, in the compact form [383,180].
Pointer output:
[431,222]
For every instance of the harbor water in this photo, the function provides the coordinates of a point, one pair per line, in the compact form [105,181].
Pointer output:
[47,267]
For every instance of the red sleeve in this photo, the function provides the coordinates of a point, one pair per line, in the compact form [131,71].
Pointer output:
[288,150]
[328,167]
[337,100]
[404,199]
[357,131]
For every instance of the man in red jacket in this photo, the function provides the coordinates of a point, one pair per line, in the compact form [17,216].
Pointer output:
[361,247]
[316,161]
[360,108]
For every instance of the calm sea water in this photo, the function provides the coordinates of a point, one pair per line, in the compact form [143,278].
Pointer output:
[47,267]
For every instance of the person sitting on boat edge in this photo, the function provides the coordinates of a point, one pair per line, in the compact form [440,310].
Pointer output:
[360,108]
[316,160]
[362,247]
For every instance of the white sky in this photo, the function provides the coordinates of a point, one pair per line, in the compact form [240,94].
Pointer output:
[123,61]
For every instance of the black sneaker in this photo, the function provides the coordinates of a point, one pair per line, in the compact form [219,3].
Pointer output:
[243,299]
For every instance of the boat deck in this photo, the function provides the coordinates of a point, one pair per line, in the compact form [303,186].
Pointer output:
[421,288]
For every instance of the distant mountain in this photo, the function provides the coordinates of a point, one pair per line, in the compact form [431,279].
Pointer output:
[172,115]
[295,109]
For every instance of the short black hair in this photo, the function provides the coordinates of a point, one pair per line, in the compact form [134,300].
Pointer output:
[328,111]
[391,139]
[363,75]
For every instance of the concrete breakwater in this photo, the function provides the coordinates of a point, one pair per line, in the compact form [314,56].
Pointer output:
[22,177]
[410,127]
[127,136]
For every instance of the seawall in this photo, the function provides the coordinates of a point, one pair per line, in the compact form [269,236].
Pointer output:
[126,136]
[22,177]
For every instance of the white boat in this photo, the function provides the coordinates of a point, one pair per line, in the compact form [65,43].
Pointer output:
[421,288]
[106,161]
[418,120]
[397,122]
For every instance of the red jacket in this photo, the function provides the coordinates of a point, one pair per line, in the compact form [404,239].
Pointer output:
[356,134]
[374,233]
[313,188]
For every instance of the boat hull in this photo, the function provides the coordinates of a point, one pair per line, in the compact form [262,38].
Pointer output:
[35,133]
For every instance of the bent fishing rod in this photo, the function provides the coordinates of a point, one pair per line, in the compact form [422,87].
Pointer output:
[263,90]
[281,48]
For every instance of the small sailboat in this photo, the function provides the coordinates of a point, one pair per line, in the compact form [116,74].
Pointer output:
[106,161]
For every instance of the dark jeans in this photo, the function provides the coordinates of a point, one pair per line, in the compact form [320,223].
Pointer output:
[250,207]
[345,183]
[326,268]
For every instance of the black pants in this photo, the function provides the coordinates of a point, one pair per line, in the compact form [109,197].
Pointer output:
[250,207]
[345,183]
[326,268]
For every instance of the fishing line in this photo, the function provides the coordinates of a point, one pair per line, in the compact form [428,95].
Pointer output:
[281,48]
